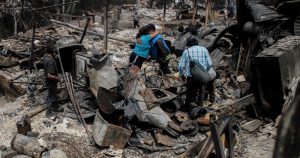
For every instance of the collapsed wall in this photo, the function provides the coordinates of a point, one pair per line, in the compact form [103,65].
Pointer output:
[277,67]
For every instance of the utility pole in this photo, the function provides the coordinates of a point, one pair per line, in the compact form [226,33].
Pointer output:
[106,25]
[164,16]
[194,11]
[207,11]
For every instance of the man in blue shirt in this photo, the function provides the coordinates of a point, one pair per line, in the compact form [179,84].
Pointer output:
[201,55]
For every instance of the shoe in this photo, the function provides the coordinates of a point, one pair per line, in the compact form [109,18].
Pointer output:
[49,113]
[212,99]
[193,104]
[57,109]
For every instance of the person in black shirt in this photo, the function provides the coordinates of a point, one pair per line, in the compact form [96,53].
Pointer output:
[51,75]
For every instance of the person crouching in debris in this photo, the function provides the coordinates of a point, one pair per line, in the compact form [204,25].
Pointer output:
[142,47]
[51,75]
[198,54]
[159,50]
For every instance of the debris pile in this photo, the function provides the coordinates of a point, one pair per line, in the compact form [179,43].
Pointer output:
[111,109]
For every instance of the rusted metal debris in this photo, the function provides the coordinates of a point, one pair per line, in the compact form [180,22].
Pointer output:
[181,116]
[189,127]
[106,134]
[154,97]
[164,139]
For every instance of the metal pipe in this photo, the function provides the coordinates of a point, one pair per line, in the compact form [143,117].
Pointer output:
[106,25]
[85,29]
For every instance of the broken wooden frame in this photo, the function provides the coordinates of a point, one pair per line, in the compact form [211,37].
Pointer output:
[204,148]
[236,107]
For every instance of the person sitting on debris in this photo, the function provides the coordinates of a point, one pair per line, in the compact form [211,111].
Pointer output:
[201,55]
[51,75]
[159,50]
[142,47]
[136,20]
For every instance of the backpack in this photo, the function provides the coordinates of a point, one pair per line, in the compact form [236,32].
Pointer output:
[153,50]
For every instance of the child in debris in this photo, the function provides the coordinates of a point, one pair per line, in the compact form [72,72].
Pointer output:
[142,48]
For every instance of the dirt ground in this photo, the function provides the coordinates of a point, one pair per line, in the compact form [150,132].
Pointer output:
[258,144]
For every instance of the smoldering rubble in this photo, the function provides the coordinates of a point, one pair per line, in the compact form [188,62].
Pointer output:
[113,110]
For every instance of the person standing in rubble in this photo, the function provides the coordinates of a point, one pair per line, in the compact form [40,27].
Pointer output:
[51,76]
[201,55]
[142,47]
[181,40]
[159,50]
[136,20]
[230,6]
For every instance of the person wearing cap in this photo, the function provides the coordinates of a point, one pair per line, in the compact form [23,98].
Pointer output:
[159,50]
[201,55]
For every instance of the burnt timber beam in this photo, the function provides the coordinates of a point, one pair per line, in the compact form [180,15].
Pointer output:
[89,32]
[235,107]
[53,6]
[203,148]
[217,141]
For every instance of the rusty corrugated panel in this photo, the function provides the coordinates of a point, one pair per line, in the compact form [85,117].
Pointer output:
[155,96]
[106,134]
[164,139]
[261,12]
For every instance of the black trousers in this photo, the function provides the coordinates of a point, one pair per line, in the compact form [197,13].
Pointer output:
[52,94]
[134,59]
[136,24]
[194,88]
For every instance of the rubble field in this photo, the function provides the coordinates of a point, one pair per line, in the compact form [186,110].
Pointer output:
[110,109]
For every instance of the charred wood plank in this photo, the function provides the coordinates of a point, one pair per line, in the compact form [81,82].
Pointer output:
[209,146]
[9,88]
[217,141]
[203,148]
[229,134]
[36,111]
[235,107]
[90,32]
